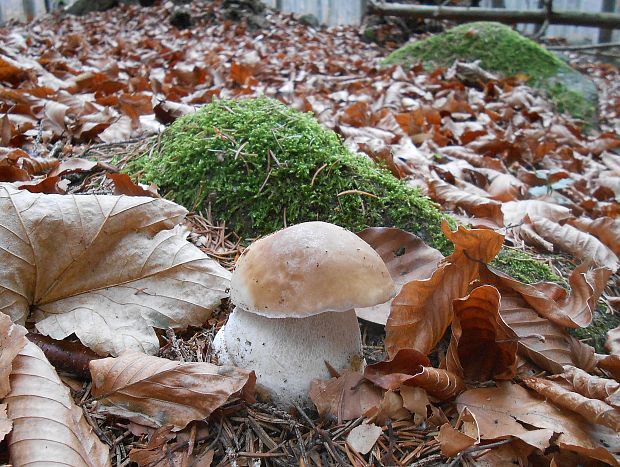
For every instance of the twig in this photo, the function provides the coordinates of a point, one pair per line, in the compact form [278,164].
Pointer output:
[460,455]
[430,460]
[324,435]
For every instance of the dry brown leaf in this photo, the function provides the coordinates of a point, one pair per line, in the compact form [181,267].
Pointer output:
[416,401]
[48,428]
[12,340]
[606,229]
[407,258]
[612,343]
[510,410]
[593,410]
[581,245]
[451,197]
[154,453]
[346,397]
[391,374]
[515,212]
[123,185]
[6,425]
[452,441]
[610,363]
[74,165]
[590,386]
[156,392]
[545,343]
[422,311]
[482,346]
[572,309]
[362,438]
[116,274]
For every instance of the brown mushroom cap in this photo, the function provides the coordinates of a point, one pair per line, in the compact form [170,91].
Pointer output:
[307,269]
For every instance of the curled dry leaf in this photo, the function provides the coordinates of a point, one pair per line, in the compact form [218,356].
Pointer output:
[12,340]
[482,346]
[606,229]
[594,410]
[545,343]
[452,441]
[581,245]
[451,197]
[612,343]
[609,363]
[422,311]
[407,258]
[155,391]
[117,273]
[511,410]
[410,367]
[48,428]
[346,397]
[590,386]
[572,309]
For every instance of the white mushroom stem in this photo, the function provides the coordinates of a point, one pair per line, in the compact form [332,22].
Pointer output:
[288,353]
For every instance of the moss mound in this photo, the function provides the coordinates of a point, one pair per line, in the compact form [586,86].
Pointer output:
[503,50]
[258,164]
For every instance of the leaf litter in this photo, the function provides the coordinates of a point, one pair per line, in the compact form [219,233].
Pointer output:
[496,155]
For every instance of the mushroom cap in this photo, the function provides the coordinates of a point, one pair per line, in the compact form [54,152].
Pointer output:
[307,269]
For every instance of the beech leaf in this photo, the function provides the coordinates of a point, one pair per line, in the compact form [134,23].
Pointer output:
[12,340]
[511,410]
[422,311]
[155,391]
[48,428]
[407,258]
[594,410]
[118,272]
[482,346]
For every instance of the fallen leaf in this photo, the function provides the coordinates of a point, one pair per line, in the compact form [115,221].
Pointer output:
[123,185]
[452,441]
[451,197]
[590,386]
[391,374]
[611,364]
[579,244]
[606,229]
[593,410]
[510,410]
[612,344]
[345,397]
[48,427]
[117,272]
[362,438]
[482,346]
[155,391]
[74,165]
[12,340]
[407,258]
[572,309]
[422,311]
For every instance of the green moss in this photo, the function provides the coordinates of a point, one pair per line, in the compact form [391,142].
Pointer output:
[255,162]
[523,267]
[596,333]
[258,164]
[501,49]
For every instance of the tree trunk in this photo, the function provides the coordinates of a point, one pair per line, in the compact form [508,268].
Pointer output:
[462,14]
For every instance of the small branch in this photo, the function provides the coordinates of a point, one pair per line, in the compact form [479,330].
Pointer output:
[458,458]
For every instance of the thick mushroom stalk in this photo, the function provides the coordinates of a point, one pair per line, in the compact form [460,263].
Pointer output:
[290,352]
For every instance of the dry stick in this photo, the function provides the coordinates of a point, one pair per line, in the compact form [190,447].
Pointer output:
[430,460]
[324,435]
[458,458]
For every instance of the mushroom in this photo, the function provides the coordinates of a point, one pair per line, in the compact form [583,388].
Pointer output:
[294,294]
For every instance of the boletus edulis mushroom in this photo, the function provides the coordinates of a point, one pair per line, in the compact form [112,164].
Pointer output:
[294,293]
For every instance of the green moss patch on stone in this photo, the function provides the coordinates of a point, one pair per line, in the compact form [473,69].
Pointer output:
[501,49]
[258,164]
[523,267]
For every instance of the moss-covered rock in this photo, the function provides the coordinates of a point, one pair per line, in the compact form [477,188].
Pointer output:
[501,49]
[257,164]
